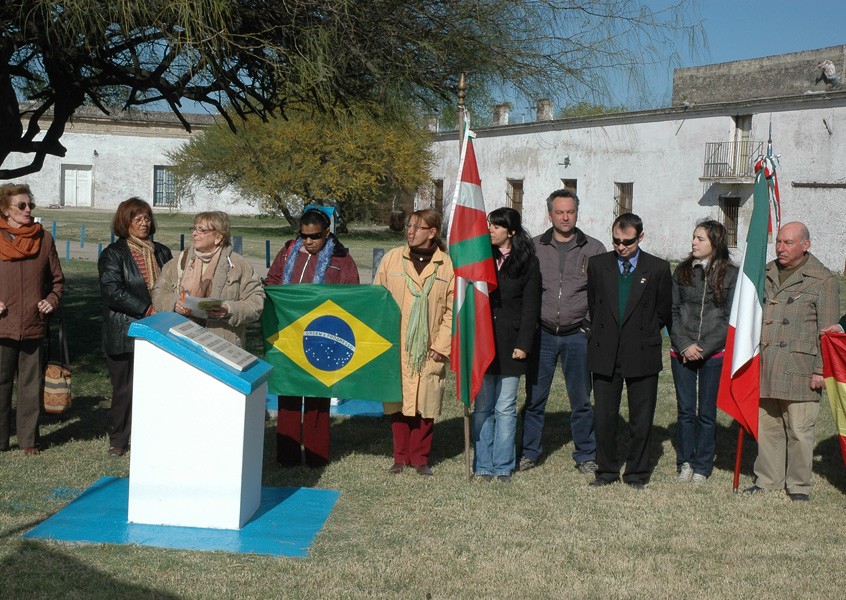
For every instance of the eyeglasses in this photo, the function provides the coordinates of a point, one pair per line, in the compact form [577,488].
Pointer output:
[141,219]
[23,205]
[626,243]
[311,236]
[201,230]
[415,227]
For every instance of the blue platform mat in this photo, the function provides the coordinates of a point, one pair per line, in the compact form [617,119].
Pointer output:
[285,523]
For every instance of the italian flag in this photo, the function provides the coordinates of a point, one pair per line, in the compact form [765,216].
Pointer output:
[834,372]
[739,394]
[473,346]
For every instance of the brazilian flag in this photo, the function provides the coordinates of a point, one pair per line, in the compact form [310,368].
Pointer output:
[332,341]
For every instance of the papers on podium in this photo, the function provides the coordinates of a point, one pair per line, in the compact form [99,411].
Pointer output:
[214,345]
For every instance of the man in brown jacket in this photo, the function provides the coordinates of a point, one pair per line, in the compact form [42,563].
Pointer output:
[801,297]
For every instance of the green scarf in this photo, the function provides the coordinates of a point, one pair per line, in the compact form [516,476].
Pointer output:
[417,336]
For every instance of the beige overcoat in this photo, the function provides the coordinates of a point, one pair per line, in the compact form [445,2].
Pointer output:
[422,393]
[794,313]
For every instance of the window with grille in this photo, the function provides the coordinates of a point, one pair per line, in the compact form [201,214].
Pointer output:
[514,197]
[730,208]
[622,198]
[438,195]
[162,186]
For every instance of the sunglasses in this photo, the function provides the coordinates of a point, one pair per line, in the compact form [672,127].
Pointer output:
[627,243]
[311,236]
[23,205]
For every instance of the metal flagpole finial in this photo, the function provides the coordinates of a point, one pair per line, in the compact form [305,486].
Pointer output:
[462,90]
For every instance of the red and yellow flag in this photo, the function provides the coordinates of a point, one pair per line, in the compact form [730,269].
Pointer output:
[834,372]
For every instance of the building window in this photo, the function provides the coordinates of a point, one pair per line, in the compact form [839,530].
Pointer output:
[730,208]
[438,195]
[514,196]
[571,184]
[163,186]
[622,198]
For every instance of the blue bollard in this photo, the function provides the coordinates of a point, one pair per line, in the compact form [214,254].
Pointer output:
[67,250]
[267,253]
[181,242]
[112,238]
[54,230]
[99,250]
[82,236]
[238,244]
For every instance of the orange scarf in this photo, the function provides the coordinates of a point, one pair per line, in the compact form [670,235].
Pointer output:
[25,242]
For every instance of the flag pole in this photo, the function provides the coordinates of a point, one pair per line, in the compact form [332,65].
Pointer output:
[462,93]
[738,457]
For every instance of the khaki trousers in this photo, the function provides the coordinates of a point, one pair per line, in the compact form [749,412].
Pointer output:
[785,445]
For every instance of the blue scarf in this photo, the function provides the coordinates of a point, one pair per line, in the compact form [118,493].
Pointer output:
[323,259]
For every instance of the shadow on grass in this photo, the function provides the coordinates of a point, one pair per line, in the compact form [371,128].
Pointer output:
[38,570]
[86,420]
[830,466]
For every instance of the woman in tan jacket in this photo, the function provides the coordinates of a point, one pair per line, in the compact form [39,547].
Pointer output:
[210,269]
[420,278]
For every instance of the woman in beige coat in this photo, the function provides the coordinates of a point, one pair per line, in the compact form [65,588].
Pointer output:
[420,278]
[210,269]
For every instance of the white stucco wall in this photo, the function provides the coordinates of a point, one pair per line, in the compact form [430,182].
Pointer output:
[662,153]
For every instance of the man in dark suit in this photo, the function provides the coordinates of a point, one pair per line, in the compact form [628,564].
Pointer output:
[630,301]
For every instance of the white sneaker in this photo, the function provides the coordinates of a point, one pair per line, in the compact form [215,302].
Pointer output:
[686,473]
[699,478]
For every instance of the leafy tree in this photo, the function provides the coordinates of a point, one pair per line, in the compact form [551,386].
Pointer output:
[358,161]
[257,57]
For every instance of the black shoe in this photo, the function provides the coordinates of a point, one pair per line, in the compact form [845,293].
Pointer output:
[503,478]
[526,463]
[799,497]
[601,482]
[485,478]
[425,470]
[587,468]
[396,469]
[117,451]
[754,490]
[636,485]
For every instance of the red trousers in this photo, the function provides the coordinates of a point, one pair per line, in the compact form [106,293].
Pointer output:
[412,439]
[309,429]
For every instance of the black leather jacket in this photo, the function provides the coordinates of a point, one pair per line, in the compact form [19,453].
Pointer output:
[124,293]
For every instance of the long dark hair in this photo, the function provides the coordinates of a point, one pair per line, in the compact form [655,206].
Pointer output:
[522,247]
[717,263]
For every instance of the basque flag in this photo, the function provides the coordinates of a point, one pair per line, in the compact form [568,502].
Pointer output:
[473,346]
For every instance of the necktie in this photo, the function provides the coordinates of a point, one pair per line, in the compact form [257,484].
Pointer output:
[627,268]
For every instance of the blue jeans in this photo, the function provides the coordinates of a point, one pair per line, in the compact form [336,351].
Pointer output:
[495,425]
[696,432]
[572,349]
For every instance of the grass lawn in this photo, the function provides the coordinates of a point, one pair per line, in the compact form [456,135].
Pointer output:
[547,535]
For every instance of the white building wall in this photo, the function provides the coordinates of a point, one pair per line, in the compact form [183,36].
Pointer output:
[663,153]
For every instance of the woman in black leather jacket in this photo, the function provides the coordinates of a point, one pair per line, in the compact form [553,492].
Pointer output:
[128,270]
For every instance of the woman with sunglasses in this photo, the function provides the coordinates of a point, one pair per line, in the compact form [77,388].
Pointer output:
[32,288]
[128,268]
[703,288]
[315,256]
[210,269]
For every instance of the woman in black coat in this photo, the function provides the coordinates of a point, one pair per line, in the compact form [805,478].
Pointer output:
[515,308]
[128,270]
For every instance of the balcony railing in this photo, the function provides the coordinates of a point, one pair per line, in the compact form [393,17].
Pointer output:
[731,159]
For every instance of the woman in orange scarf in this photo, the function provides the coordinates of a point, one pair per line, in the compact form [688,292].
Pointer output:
[32,288]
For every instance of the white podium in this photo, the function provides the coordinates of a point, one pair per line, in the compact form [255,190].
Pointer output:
[197,432]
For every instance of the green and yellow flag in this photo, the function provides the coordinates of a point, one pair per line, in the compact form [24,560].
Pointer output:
[332,341]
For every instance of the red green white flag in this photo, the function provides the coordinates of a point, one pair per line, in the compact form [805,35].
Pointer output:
[834,372]
[740,380]
[475,276]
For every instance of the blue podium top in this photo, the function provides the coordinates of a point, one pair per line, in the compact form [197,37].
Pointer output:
[156,330]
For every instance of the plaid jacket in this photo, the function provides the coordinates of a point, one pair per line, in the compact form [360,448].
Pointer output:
[794,313]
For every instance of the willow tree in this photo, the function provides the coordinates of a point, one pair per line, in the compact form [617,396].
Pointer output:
[357,161]
[258,57]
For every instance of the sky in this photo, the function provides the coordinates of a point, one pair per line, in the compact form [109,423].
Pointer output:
[737,30]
